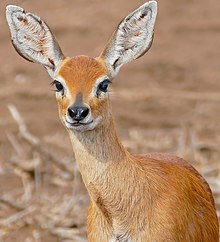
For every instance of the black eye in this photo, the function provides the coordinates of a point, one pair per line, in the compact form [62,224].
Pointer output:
[103,86]
[58,85]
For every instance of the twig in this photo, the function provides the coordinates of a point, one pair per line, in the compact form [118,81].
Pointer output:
[26,165]
[18,148]
[211,146]
[35,142]
[37,174]
[18,216]
[22,127]
[64,233]
[10,201]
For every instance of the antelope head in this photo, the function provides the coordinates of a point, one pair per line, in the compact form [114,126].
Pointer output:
[82,82]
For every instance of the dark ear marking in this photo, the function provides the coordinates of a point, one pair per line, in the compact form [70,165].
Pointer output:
[115,63]
[33,39]
[132,38]
[52,63]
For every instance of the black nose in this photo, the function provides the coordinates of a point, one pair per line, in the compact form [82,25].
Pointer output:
[78,113]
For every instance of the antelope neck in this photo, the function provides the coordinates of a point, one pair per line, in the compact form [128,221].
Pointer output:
[97,150]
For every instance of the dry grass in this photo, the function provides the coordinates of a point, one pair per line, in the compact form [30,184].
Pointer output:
[51,200]
[41,201]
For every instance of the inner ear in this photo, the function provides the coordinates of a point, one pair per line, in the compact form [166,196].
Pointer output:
[132,38]
[32,38]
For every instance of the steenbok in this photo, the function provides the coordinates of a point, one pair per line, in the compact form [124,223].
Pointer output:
[138,198]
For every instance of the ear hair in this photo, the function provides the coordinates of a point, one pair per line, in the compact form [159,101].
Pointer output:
[33,39]
[132,38]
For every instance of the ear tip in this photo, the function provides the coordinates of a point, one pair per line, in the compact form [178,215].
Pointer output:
[10,9]
[13,8]
[152,4]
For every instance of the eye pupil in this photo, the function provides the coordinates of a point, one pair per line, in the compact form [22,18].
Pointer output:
[58,85]
[103,86]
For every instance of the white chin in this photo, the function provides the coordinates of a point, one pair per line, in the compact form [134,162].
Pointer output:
[84,127]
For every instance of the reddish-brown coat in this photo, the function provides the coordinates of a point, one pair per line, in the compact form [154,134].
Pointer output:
[161,197]
[151,198]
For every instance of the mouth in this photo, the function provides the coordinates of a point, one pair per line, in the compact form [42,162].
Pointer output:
[78,123]
[83,126]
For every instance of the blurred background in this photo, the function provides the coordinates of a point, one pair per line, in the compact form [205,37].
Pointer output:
[166,101]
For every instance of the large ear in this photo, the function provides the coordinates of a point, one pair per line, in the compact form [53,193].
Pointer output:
[132,38]
[33,39]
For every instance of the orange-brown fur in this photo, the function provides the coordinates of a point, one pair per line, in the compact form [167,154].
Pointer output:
[151,198]
[80,73]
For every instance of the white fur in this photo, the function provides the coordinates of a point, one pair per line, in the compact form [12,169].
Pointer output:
[132,38]
[33,39]
[89,124]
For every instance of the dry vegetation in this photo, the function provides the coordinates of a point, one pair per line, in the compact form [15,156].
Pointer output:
[49,200]
[168,101]
[52,201]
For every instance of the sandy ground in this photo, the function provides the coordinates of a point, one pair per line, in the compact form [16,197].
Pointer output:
[167,101]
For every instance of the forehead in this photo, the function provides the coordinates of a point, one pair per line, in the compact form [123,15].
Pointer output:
[81,72]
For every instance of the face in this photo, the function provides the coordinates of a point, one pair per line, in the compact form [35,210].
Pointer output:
[82,93]
[82,82]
